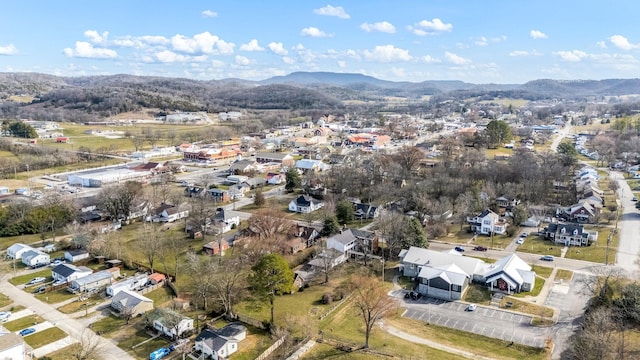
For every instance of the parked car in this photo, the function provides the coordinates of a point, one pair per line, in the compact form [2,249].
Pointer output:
[520,241]
[547,258]
[4,315]
[36,280]
[471,307]
[480,248]
[634,199]
[459,249]
[160,353]
[27,331]
[524,234]
[40,289]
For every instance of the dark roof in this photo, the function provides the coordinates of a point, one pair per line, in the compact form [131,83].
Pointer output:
[64,269]
[363,234]
[75,252]
[232,330]
[305,200]
[162,208]
[213,340]
[568,228]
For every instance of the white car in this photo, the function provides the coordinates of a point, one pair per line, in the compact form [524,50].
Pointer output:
[4,315]
[471,307]
[36,280]
[520,241]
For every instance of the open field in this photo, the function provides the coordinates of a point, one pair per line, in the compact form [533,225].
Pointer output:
[5,301]
[564,275]
[44,337]
[23,322]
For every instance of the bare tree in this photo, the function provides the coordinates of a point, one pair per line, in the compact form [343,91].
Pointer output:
[269,225]
[88,346]
[372,302]
[200,283]
[150,242]
[601,285]
[229,282]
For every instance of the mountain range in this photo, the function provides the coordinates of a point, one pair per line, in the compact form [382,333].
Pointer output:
[101,96]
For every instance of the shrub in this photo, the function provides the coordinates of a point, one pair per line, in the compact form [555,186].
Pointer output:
[327,298]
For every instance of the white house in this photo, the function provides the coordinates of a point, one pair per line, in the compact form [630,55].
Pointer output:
[15,251]
[342,243]
[64,273]
[172,324]
[168,213]
[311,165]
[487,222]
[224,221]
[305,204]
[132,283]
[275,179]
[510,274]
[35,258]
[12,346]
[95,281]
[76,255]
[219,344]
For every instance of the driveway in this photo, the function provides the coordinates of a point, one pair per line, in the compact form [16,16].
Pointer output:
[487,321]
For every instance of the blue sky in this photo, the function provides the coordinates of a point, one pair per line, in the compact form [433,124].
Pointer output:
[478,41]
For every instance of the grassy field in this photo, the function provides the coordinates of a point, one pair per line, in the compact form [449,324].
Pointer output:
[5,301]
[44,337]
[535,291]
[538,245]
[76,306]
[527,307]
[543,271]
[23,279]
[597,252]
[5,242]
[107,325]
[23,322]
[56,296]
[564,275]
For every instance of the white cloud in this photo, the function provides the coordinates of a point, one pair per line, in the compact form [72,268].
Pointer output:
[84,49]
[95,37]
[242,60]
[387,53]
[154,39]
[313,32]
[519,53]
[217,63]
[482,41]
[601,44]
[456,59]
[8,50]
[329,10]
[209,14]
[430,27]
[277,48]
[342,64]
[381,26]
[168,56]
[571,56]
[201,43]
[537,34]
[288,60]
[429,59]
[622,42]
[251,46]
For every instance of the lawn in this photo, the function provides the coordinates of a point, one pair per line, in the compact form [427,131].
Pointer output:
[44,337]
[527,307]
[326,351]
[23,322]
[538,245]
[597,252]
[256,342]
[107,325]
[23,279]
[534,292]
[55,296]
[564,275]
[132,343]
[5,242]
[496,241]
[64,353]
[77,305]
[543,271]
[460,237]
[478,294]
[5,301]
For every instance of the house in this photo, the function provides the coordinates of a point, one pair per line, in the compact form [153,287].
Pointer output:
[139,210]
[368,241]
[35,258]
[168,213]
[305,204]
[171,323]
[92,282]
[235,179]
[275,179]
[487,222]
[507,202]
[156,278]
[309,165]
[243,166]
[439,274]
[215,247]
[65,273]
[133,283]
[510,274]
[223,221]
[220,344]
[253,183]
[343,242]
[570,234]
[582,212]
[220,195]
[130,303]
[15,251]
[306,233]
[12,346]
[193,191]
[365,211]
[76,255]
[284,159]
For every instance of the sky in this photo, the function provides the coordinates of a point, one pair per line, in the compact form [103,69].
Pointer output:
[477,41]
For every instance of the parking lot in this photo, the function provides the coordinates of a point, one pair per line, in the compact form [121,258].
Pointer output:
[485,320]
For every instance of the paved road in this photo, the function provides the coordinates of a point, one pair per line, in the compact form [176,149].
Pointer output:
[629,227]
[75,329]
